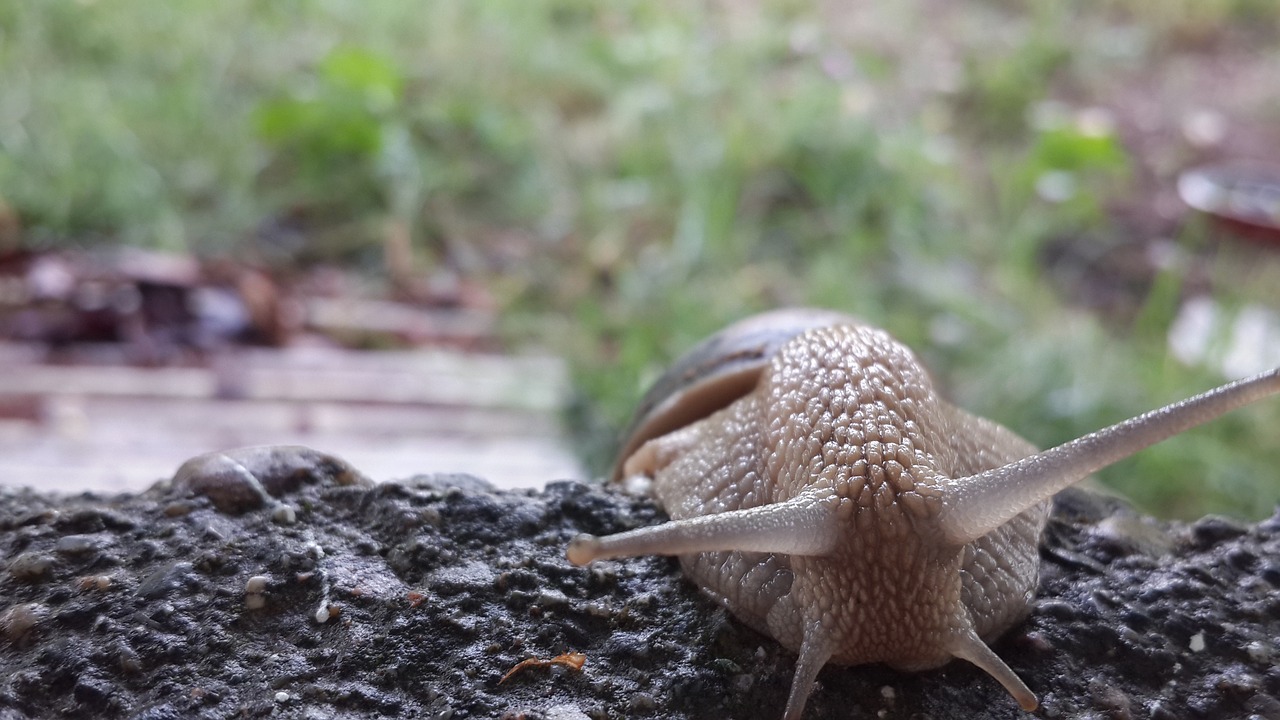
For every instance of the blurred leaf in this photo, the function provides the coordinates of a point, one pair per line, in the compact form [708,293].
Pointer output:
[372,76]
[279,120]
[1069,148]
[319,128]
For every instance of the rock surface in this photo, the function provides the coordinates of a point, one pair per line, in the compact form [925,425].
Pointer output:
[415,598]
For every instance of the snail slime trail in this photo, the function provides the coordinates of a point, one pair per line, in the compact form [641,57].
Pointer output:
[820,490]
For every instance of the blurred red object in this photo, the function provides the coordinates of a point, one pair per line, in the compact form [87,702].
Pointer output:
[1243,197]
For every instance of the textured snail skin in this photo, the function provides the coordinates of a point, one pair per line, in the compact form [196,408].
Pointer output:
[820,507]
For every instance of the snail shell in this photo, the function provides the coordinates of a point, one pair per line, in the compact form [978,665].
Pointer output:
[821,491]
[717,371]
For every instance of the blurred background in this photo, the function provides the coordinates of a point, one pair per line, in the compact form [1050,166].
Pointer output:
[528,208]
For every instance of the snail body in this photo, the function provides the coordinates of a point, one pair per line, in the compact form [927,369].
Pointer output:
[820,490]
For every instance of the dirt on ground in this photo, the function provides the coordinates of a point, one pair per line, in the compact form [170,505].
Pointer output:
[345,599]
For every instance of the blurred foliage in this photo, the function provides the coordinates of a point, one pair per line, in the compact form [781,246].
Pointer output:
[628,177]
[348,119]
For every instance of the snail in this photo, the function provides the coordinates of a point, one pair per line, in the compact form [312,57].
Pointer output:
[822,492]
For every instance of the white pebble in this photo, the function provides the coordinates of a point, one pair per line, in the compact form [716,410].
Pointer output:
[282,697]
[1197,642]
[256,584]
[284,514]
[322,614]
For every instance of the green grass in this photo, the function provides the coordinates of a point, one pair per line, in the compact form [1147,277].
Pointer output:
[629,177]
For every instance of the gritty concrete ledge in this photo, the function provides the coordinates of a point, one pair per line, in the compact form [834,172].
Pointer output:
[413,599]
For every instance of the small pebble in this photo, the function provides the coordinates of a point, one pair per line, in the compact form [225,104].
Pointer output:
[598,609]
[1059,609]
[284,514]
[30,565]
[552,599]
[282,697]
[244,479]
[165,579]
[93,691]
[1242,559]
[1197,642]
[18,620]
[75,544]
[129,660]
[1103,600]
[431,517]
[1213,529]
[95,582]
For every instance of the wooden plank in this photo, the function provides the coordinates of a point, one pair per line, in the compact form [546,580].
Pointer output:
[107,380]
[420,377]
[126,417]
[110,427]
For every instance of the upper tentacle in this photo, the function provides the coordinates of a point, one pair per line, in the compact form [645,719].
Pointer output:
[976,505]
